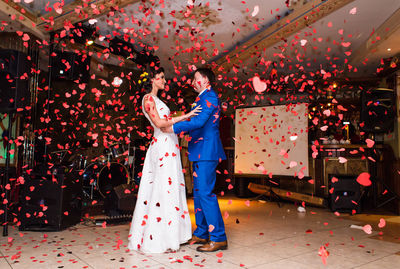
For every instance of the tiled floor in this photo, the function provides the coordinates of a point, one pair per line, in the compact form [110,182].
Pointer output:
[260,235]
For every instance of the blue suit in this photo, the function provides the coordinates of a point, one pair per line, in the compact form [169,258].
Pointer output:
[205,151]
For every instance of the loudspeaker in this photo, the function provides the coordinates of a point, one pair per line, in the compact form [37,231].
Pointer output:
[378,110]
[51,202]
[126,197]
[345,193]
[14,80]
[121,200]
[71,66]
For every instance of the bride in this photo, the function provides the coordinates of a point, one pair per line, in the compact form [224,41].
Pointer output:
[161,220]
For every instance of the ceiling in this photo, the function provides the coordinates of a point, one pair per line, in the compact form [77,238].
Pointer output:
[349,37]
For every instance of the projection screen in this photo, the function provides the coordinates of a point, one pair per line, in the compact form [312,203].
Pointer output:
[272,140]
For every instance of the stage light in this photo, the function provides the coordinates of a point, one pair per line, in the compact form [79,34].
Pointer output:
[334,85]
[346,122]
[84,33]
[389,49]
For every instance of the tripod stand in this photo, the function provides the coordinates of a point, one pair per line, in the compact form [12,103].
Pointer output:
[268,195]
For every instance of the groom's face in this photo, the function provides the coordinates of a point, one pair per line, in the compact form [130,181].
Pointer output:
[199,82]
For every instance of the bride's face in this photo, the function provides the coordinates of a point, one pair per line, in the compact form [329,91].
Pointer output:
[159,81]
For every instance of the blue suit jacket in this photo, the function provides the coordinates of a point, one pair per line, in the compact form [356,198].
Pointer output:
[203,129]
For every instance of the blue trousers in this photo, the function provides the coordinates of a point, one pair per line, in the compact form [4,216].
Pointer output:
[208,215]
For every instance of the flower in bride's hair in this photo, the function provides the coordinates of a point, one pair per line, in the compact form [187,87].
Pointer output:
[143,77]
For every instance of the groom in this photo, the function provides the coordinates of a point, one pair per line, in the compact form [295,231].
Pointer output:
[205,151]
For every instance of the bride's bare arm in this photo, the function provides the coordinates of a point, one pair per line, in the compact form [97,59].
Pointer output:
[150,108]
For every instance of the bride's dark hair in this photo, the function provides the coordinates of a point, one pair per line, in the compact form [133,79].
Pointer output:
[150,73]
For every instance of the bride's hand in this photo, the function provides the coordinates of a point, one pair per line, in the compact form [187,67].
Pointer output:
[195,111]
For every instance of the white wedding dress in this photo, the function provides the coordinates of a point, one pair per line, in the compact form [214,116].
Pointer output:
[161,220]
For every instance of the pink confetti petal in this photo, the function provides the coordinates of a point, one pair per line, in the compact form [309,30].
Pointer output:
[255,11]
[327,112]
[323,253]
[324,128]
[26,37]
[346,44]
[259,86]
[382,223]
[353,11]
[370,143]
[211,228]
[367,229]
[58,7]
[226,215]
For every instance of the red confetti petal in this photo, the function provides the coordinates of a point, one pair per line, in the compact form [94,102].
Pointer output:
[363,179]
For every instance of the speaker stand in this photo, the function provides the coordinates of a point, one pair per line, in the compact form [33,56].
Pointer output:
[268,196]
[375,179]
[6,177]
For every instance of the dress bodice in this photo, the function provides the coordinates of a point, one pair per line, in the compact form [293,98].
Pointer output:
[162,110]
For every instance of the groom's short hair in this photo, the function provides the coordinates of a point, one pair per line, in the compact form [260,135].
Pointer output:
[208,73]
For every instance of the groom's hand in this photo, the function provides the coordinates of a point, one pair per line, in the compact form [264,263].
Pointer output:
[167,129]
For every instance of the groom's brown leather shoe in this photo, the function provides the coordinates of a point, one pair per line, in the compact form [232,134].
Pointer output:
[213,246]
[197,240]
